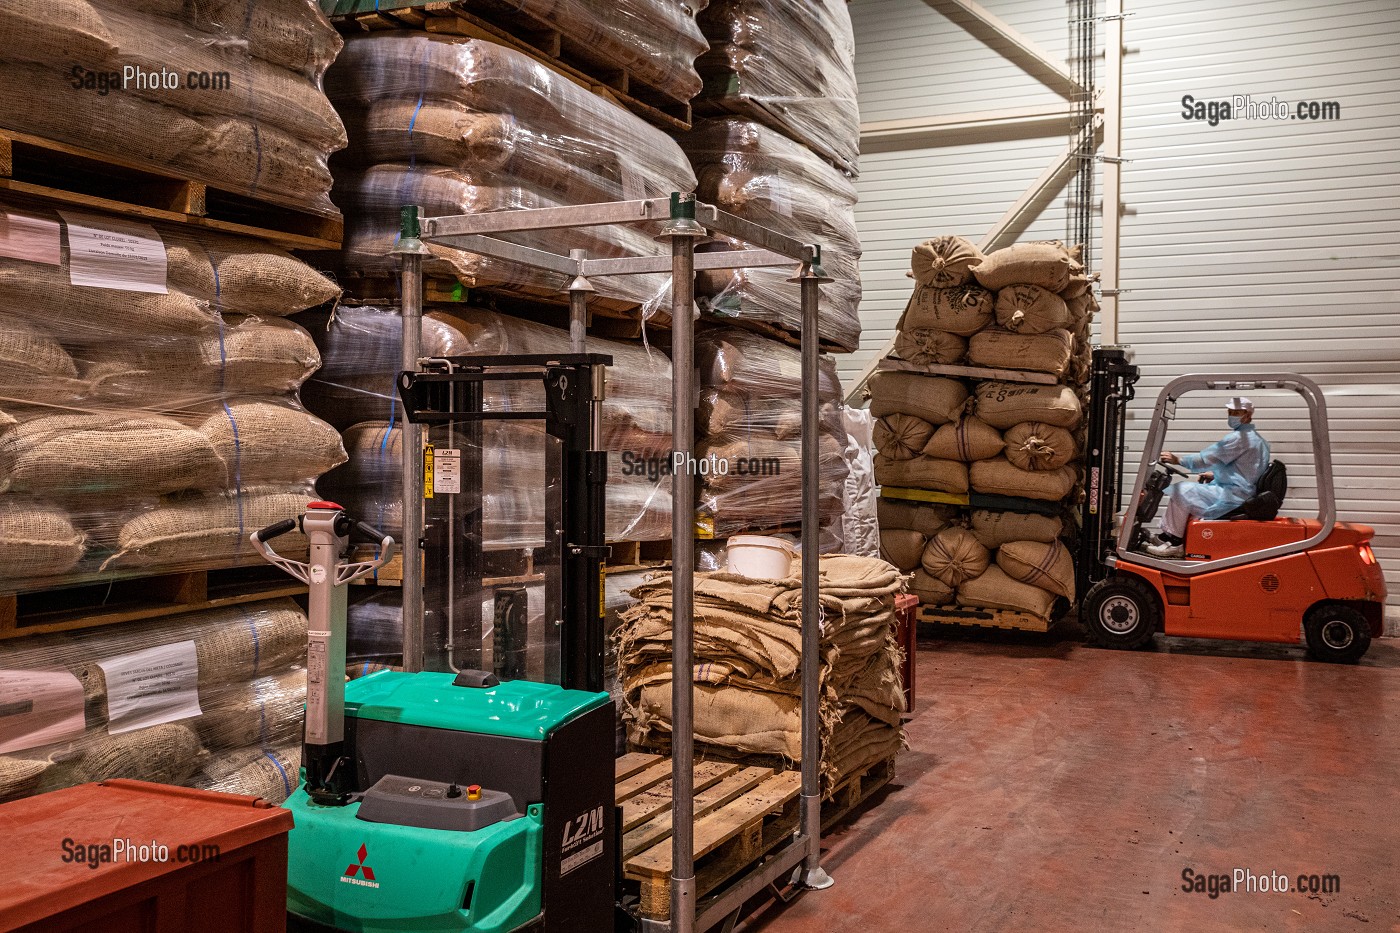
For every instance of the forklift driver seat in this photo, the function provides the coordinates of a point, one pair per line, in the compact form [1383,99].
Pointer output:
[1268,496]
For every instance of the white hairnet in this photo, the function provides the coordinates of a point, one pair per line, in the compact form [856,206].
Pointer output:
[1239,403]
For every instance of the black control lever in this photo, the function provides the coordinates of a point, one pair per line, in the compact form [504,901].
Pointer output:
[277,530]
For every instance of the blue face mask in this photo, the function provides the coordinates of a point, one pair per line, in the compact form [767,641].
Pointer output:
[1234,421]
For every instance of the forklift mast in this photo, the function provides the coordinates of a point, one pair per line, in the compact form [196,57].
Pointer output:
[1111,383]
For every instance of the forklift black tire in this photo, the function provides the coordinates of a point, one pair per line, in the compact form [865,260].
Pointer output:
[1336,633]
[1122,611]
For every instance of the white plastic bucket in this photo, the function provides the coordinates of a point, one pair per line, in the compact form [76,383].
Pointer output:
[760,557]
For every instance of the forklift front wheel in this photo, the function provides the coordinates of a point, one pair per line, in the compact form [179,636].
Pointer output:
[1122,612]
[1336,633]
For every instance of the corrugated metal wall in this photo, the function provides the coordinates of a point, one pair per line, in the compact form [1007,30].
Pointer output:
[1247,245]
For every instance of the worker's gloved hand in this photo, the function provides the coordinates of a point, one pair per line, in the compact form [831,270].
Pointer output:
[1207,478]
[1169,457]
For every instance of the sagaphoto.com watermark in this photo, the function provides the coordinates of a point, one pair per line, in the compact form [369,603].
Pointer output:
[111,851]
[1245,107]
[1247,881]
[136,78]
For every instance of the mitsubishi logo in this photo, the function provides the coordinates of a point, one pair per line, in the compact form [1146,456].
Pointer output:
[365,873]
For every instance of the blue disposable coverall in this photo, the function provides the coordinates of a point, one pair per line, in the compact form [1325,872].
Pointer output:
[1238,460]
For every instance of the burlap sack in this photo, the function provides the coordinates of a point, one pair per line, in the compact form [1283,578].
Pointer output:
[923,517]
[1005,404]
[1079,284]
[1043,264]
[290,33]
[752,721]
[995,528]
[967,439]
[259,771]
[20,777]
[204,530]
[930,590]
[902,548]
[71,28]
[963,310]
[165,754]
[944,262]
[1038,353]
[922,473]
[36,541]
[1030,309]
[1048,566]
[34,367]
[931,398]
[995,590]
[1081,309]
[954,555]
[999,477]
[926,347]
[239,275]
[270,442]
[1031,445]
[266,711]
[88,454]
[901,437]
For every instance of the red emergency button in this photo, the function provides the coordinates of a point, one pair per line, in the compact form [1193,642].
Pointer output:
[473,791]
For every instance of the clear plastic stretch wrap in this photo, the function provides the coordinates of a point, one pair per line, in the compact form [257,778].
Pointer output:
[749,170]
[463,126]
[149,431]
[356,391]
[750,432]
[164,700]
[789,64]
[226,92]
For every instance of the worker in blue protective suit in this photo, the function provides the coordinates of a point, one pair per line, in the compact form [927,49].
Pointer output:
[1230,470]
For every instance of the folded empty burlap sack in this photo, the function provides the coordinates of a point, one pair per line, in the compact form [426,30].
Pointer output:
[963,310]
[944,262]
[1031,445]
[265,441]
[926,346]
[37,540]
[265,711]
[901,547]
[1005,404]
[1048,265]
[967,439]
[1030,309]
[269,772]
[34,367]
[999,476]
[923,517]
[208,529]
[995,528]
[930,590]
[931,398]
[1048,566]
[901,437]
[1040,353]
[995,590]
[922,473]
[106,452]
[954,556]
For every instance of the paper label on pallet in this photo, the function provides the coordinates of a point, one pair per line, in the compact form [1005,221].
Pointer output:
[147,688]
[447,471]
[107,253]
[31,237]
[39,708]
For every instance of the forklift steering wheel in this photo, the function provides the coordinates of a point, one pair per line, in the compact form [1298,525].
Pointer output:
[1176,468]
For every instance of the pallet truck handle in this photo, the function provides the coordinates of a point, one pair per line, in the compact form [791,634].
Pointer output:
[275,531]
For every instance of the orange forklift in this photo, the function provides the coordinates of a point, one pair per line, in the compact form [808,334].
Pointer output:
[1249,576]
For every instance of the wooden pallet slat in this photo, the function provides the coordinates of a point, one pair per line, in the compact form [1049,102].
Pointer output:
[630,787]
[633,763]
[734,785]
[976,617]
[658,800]
[891,364]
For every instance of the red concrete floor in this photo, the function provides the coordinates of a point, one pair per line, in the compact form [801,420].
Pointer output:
[1052,786]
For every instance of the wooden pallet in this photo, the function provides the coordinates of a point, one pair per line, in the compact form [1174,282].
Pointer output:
[984,618]
[132,599]
[42,171]
[890,364]
[497,21]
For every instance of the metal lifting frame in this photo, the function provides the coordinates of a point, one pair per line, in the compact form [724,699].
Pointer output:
[683,222]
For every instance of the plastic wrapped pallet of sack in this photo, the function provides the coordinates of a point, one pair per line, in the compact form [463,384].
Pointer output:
[789,64]
[269,772]
[740,361]
[761,482]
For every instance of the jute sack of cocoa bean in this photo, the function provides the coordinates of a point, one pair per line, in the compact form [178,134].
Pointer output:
[20,777]
[1030,309]
[963,310]
[995,528]
[944,261]
[930,590]
[926,518]
[34,367]
[1039,353]
[967,439]
[1048,566]
[926,346]
[954,555]
[1033,446]
[901,437]
[901,547]
[165,754]
[1045,264]
[922,473]
[265,711]
[995,590]
[209,529]
[1079,284]
[931,398]
[1005,404]
[93,453]
[264,441]
[240,275]
[999,477]
[36,541]
[257,771]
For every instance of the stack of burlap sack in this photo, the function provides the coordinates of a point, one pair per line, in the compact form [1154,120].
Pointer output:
[152,430]
[356,391]
[749,426]
[102,703]
[464,126]
[226,92]
[748,636]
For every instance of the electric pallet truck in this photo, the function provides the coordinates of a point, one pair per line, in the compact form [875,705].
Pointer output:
[458,802]
[1250,576]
